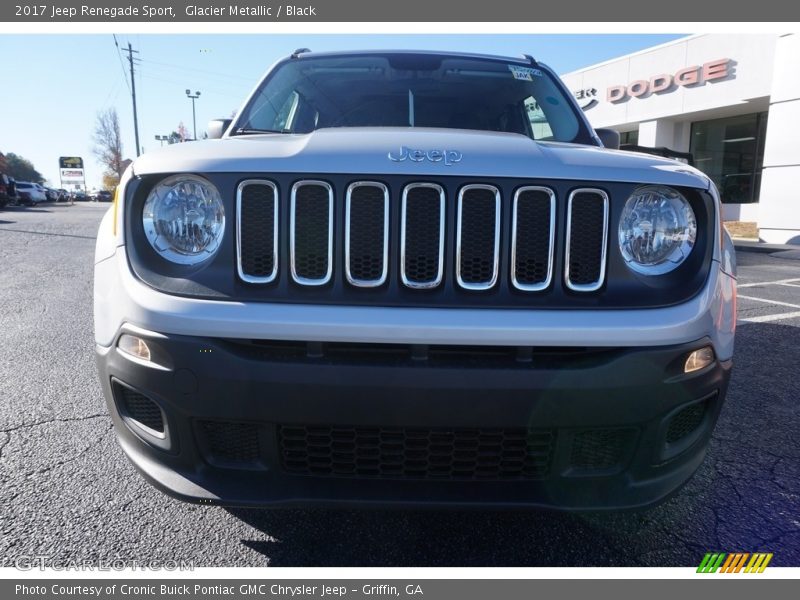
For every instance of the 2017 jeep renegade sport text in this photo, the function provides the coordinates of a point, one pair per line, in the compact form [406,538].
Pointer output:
[413,278]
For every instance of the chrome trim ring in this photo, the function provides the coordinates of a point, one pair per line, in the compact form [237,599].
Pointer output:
[496,258]
[533,287]
[239,189]
[297,278]
[440,274]
[596,285]
[367,283]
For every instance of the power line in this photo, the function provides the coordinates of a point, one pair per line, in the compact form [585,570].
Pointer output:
[227,94]
[205,71]
[121,64]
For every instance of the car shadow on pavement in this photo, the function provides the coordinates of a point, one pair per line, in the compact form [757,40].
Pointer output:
[745,497]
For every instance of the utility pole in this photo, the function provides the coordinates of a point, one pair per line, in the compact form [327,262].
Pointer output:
[131,52]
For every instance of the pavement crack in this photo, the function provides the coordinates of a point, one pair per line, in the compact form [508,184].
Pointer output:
[71,459]
[49,421]
[5,442]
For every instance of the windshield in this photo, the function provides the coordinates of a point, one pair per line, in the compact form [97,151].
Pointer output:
[411,90]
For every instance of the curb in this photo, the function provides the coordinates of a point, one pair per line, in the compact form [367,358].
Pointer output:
[754,246]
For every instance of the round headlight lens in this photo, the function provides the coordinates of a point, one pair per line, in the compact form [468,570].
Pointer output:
[657,230]
[184,219]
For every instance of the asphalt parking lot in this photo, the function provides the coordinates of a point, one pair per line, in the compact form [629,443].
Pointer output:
[68,493]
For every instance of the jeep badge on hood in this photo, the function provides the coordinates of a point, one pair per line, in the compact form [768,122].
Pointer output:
[449,157]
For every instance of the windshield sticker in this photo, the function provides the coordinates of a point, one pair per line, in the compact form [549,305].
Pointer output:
[524,73]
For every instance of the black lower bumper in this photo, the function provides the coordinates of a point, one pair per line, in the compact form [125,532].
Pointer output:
[246,424]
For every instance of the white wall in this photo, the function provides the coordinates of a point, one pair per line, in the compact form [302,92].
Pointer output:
[779,216]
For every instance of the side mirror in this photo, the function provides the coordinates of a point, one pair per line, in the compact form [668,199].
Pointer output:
[609,137]
[217,127]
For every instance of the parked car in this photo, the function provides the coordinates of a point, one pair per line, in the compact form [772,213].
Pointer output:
[63,195]
[8,193]
[30,193]
[51,194]
[414,279]
[79,196]
[104,196]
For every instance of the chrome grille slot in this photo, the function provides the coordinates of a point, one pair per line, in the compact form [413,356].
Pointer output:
[367,234]
[478,237]
[422,235]
[532,238]
[311,232]
[587,234]
[257,231]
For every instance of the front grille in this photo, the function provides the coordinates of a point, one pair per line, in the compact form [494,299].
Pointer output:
[600,449]
[311,232]
[257,233]
[471,236]
[416,453]
[587,230]
[686,421]
[367,234]
[422,235]
[228,443]
[139,408]
[478,237]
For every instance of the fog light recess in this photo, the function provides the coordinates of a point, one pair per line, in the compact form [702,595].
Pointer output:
[134,346]
[699,359]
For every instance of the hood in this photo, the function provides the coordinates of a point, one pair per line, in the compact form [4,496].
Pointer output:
[365,151]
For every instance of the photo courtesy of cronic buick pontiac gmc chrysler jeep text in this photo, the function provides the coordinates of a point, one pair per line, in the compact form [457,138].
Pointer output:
[413,278]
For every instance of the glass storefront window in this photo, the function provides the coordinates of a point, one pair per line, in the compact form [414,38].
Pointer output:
[629,137]
[731,152]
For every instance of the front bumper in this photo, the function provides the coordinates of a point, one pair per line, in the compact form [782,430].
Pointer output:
[607,418]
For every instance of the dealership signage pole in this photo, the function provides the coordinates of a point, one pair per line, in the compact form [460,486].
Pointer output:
[71,171]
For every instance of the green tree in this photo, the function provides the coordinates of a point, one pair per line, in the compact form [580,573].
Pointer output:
[22,169]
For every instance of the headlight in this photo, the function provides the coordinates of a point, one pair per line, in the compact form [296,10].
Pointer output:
[657,230]
[184,219]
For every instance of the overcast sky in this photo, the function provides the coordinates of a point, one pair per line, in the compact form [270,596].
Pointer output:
[54,85]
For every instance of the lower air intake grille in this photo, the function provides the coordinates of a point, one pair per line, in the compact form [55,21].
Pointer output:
[599,449]
[586,239]
[139,408]
[686,421]
[406,453]
[229,443]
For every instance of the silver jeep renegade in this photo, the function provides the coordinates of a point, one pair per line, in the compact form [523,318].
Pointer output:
[414,278]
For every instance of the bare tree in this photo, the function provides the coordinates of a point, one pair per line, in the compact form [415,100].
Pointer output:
[108,142]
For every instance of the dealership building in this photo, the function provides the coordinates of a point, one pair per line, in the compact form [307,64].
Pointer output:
[731,101]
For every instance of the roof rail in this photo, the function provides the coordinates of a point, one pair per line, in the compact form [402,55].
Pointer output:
[300,51]
[531,60]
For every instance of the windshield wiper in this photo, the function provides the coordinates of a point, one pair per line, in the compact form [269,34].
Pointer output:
[251,131]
